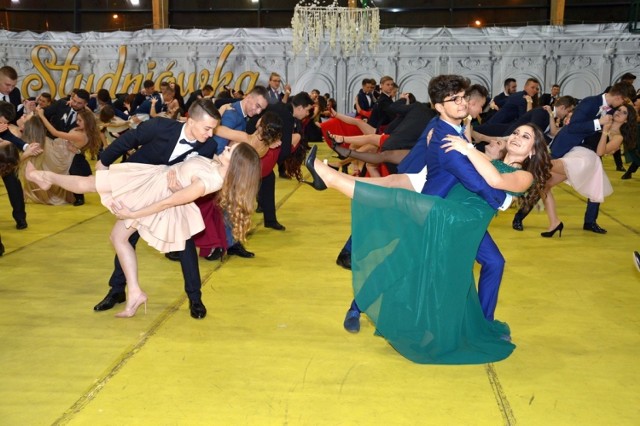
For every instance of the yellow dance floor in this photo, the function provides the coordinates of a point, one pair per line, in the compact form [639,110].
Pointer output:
[272,349]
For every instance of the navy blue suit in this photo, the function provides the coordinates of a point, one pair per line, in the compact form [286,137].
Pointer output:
[444,170]
[156,140]
[580,126]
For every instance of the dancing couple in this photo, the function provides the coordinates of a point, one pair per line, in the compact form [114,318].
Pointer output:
[413,253]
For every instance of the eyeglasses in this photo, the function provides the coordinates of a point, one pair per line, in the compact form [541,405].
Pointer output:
[458,99]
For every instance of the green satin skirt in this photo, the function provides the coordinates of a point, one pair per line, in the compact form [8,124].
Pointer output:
[412,264]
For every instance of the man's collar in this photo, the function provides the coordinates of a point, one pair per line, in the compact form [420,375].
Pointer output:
[183,135]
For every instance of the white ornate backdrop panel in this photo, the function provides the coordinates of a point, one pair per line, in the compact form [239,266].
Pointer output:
[583,59]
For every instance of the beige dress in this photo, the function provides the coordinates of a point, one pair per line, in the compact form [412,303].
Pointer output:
[138,185]
[55,158]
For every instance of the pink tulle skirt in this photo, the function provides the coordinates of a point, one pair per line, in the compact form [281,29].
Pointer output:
[586,175]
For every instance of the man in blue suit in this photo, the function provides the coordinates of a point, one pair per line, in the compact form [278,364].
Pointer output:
[588,117]
[454,101]
[165,141]
[235,118]
[447,93]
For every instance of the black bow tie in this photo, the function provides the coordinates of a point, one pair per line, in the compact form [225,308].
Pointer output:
[191,144]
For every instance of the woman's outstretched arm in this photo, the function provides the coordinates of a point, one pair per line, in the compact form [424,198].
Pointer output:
[518,181]
[186,195]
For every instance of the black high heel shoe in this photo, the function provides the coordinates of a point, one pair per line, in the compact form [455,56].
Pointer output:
[550,234]
[337,146]
[317,183]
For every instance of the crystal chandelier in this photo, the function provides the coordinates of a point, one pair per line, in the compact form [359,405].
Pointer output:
[351,28]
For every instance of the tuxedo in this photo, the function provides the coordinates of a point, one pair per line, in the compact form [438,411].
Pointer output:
[381,114]
[156,140]
[581,125]
[546,99]
[444,170]
[365,100]
[514,108]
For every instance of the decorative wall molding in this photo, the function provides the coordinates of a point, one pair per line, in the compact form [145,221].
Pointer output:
[583,59]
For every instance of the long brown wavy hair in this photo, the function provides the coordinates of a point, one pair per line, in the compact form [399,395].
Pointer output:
[240,188]
[9,159]
[539,165]
[628,130]
[94,142]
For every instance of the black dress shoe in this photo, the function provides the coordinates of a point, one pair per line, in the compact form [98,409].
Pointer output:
[238,250]
[197,309]
[621,169]
[21,224]
[517,225]
[1,248]
[259,209]
[275,225]
[173,255]
[216,254]
[78,202]
[594,227]
[344,259]
[110,300]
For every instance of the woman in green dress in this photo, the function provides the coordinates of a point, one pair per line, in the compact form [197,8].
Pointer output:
[414,254]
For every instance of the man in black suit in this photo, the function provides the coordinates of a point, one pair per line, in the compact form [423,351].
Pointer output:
[516,106]
[11,94]
[381,114]
[550,98]
[63,115]
[165,141]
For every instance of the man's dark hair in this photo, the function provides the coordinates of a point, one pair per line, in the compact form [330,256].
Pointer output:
[201,107]
[104,96]
[509,81]
[566,101]
[627,76]
[258,91]
[148,83]
[555,85]
[8,111]
[445,85]
[478,90]
[83,94]
[301,99]
[46,95]
[9,72]
[624,89]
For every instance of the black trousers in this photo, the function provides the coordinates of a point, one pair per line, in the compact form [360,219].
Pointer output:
[267,198]
[16,197]
[188,262]
[79,167]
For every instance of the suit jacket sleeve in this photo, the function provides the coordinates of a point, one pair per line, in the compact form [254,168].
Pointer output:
[584,114]
[146,132]
[8,136]
[459,166]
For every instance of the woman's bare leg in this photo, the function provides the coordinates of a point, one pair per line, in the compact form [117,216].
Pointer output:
[549,201]
[127,256]
[364,127]
[44,179]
